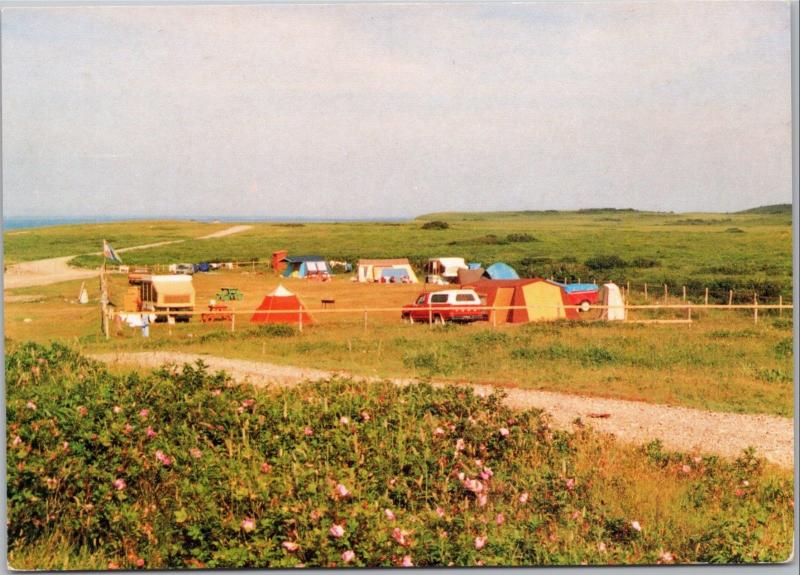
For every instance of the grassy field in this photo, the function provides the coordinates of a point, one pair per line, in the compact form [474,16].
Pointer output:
[176,469]
[723,361]
[743,251]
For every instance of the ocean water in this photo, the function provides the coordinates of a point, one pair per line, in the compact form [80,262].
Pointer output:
[17,223]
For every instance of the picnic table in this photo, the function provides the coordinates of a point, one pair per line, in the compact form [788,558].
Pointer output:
[230,294]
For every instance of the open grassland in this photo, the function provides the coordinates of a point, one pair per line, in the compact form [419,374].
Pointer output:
[723,361]
[745,252]
[177,468]
[65,240]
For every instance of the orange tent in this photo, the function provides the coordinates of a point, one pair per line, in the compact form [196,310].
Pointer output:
[281,306]
[537,299]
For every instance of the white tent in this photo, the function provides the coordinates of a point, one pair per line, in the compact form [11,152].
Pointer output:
[611,296]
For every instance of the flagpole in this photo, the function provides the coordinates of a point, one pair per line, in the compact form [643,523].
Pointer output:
[104,294]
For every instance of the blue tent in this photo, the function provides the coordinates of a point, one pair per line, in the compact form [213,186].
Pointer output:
[501,271]
[302,266]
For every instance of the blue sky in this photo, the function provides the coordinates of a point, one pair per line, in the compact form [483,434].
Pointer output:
[358,111]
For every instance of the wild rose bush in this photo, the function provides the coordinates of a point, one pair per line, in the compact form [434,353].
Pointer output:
[182,468]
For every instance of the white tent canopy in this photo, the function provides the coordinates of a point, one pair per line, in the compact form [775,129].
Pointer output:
[611,296]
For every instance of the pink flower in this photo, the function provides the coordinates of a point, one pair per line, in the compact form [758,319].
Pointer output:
[163,459]
[686,468]
[248,524]
[440,512]
[128,428]
[504,431]
[601,547]
[119,484]
[473,485]
[406,561]
[266,467]
[216,392]
[480,542]
[83,411]
[116,409]
[65,445]
[30,405]
[459,444]
[290,546]
[248,402]
[336,531]
[17,440]
[348,556]
[196,453]
[739,492]
[523,498]
[344,420]
[308,431]
[570,484]
[399,535]
[575,515]
[636,526]
[144,413]
[341,490]
[483,499]
[697,459]
[666,557]
[366,417]
[745,482]
[389,514]
[438,432]
[486,473]
[140,562]
[150,432]
[500,519]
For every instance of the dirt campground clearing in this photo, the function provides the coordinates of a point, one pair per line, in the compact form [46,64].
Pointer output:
[679,428]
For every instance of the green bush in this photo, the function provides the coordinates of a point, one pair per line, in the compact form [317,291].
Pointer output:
[607,262]
[435,225]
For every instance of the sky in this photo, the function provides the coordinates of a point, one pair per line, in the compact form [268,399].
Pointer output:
[384,111]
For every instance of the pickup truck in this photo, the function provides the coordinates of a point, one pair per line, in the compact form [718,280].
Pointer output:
[458,305]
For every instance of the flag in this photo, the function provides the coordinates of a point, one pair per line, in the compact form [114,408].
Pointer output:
[109,252]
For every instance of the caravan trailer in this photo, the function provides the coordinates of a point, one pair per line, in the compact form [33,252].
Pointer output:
[173,294]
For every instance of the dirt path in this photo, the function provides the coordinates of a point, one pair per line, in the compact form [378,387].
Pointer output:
[55,270]
[679,428]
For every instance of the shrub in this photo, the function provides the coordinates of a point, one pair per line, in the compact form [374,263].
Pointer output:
[607,262]
[520,238]
[645,263]
[435,225]
[273,330]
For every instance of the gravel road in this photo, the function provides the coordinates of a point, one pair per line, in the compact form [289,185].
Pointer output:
[635,422]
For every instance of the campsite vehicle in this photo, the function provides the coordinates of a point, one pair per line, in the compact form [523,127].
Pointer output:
[443,270]
[136,274]
[459,305]
[185,269]
[169,295]
[216,312]
[583,295]
[229,294]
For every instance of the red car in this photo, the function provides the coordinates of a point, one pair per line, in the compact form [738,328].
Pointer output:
[458,305]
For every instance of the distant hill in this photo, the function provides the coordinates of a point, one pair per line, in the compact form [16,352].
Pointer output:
[773,209]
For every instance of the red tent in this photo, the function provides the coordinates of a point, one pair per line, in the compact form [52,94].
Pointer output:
[285,308]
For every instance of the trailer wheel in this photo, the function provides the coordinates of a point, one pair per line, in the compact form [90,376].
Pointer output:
[585,306]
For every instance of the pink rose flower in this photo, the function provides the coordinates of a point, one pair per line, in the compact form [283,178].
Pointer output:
[348,556]
[344,420]
[504,431]
[341,490]
[406,561]
[150,432]
[523,498]
[216,392]
[196,453]
[163,459]
[117,409]
[30,405]
[601,547]
[308,431]
[336,531]
[248,524]
[483,499]
[389,514]
[460,444]
[570,484]
[636,526]
[365,416]
[399,535]
[290,546]
[686,468]
[500,519]
[119,484]
[17,440]
[438,432]
[266,467]
[144,413]
[128,428]
[666,557]
[480,542]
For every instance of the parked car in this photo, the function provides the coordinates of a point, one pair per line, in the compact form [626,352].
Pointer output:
[184,269]
[458,305]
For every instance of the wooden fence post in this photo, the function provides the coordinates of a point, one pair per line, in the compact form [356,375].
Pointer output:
[706,300]
[666,293]
[645,291]
[300,319]
[684,293]
[365,320]
[755,308]
[730,297]
[780,303]
[690,311]
[494,317]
